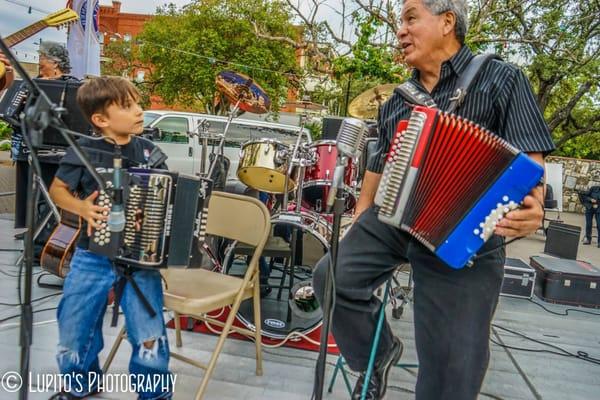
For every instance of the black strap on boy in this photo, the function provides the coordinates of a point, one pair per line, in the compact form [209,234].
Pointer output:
[125,275]
[412,94]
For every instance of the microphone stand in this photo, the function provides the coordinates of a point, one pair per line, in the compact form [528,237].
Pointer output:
[327,306]
[39,114]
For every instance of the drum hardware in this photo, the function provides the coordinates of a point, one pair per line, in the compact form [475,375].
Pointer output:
[202,133]
[298,241]
[245,94]
[301,161]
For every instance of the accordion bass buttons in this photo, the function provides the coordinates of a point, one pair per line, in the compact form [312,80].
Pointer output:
[102,236]
[486,228]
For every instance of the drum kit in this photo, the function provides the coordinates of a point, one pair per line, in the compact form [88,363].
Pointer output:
[297,179]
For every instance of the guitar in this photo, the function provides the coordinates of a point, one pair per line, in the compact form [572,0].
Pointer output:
[57,19]
[58,250]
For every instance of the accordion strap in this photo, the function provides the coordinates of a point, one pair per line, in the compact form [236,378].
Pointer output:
[125,275]
[476,65]
[411,93]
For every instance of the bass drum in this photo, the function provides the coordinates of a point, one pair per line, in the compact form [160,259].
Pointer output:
[287,303]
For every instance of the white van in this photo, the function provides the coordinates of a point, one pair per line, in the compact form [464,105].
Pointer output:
[177,137]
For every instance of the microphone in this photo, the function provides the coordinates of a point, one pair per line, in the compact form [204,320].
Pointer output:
[350,144]
[116,217]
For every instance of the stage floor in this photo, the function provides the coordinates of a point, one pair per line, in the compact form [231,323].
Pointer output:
[288,373]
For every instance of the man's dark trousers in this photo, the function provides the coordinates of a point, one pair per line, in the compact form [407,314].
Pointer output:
[453,309]
[591,214]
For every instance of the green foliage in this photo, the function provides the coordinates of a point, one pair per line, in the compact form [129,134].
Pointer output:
[122,59]
[5,130]
[367,65]
[367,60]
[184,46]
[315,128]
[557,43]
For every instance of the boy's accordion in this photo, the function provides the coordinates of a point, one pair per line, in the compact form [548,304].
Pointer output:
[448,181]
[165,220]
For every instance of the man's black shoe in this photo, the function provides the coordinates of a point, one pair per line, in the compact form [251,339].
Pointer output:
[377,385]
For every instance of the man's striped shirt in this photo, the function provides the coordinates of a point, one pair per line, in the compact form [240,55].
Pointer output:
[500,99]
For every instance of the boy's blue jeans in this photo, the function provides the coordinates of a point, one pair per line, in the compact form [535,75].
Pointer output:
[80,315]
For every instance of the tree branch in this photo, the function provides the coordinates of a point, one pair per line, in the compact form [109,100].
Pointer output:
[589,128]
[562,113]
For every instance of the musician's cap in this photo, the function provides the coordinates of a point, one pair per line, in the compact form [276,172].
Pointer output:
[57,52]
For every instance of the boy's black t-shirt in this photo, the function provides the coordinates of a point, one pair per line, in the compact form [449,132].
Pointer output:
[100,153]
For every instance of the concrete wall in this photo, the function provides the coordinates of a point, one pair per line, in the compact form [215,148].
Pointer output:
[577,175]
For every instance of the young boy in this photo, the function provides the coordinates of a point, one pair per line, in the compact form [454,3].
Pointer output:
[110,104]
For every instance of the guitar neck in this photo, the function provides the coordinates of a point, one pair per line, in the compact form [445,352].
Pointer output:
[24,33]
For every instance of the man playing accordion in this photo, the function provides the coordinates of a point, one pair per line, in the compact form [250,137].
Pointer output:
[453,308]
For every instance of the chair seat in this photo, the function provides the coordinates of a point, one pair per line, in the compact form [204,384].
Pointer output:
[195,291]
[275,247]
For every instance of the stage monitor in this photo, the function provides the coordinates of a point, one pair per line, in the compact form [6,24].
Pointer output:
[62,93]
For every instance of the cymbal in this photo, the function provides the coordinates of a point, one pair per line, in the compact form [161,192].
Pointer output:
[305,105]
[366,104]
[236,86]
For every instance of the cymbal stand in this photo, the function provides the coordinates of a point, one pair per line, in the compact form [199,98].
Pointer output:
[202,133]
[295,160]
[232,113]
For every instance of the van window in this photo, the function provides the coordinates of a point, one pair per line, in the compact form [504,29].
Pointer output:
[173,130]
[149,117]
[240,133]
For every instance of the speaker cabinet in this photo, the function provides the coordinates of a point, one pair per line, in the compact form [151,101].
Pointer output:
[562,240]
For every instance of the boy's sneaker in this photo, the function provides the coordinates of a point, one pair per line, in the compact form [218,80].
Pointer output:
[377,385]
[587,241]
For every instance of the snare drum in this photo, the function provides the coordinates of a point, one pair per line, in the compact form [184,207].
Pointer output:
[264,165]
[319,176]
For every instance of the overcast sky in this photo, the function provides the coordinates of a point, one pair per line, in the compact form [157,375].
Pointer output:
[14,16]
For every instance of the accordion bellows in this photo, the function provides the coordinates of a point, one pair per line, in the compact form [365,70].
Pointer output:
[448,181]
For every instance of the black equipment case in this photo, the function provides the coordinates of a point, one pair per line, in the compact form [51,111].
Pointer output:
[567,281]
[519,279]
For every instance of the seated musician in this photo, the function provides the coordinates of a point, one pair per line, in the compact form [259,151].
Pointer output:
[110,104]
[453,309]
[54,63]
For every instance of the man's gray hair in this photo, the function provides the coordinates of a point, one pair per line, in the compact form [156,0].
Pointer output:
[56,52]
[460,9]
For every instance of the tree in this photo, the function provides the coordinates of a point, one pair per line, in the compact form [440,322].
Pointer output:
[123,59]
[367,65]
[187,47]
[557,42]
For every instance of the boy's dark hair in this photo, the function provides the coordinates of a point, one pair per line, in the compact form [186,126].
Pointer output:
[97,94]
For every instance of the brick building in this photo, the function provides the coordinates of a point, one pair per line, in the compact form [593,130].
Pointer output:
[117,25]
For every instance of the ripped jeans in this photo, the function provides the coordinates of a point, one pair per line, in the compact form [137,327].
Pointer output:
[80,315]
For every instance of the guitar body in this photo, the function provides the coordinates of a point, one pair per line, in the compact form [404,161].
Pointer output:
[57,253]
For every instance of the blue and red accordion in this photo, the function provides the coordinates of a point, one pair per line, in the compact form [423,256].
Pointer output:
[448,181]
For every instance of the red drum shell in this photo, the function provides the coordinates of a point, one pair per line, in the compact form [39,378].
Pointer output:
[318,177]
